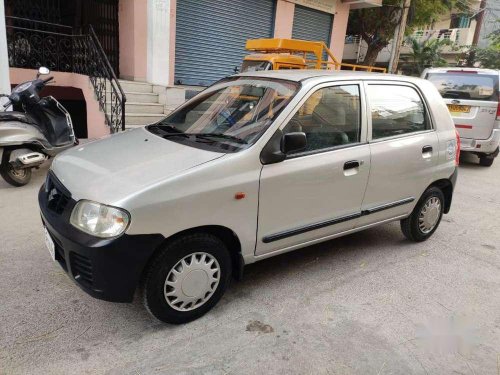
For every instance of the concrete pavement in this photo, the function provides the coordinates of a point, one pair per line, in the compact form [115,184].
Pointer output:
[368,303]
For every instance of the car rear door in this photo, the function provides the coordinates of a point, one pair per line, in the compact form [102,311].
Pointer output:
[472,99]
[404,151]
[318,192]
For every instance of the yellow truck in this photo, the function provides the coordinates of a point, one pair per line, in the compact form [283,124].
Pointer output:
[276,54]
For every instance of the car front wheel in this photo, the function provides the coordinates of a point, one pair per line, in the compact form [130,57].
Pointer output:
[426,216]
[187,278]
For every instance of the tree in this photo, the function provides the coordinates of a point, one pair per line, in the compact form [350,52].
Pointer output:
[376,26]
[487,57]
[427,53]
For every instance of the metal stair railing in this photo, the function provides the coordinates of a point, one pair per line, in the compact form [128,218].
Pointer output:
[66,51]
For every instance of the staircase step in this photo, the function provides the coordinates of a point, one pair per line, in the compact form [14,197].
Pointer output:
[133,86]
[137,97]
[146,108]
[132,119]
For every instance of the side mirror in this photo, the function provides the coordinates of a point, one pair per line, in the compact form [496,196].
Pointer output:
[42,71]
[293,142]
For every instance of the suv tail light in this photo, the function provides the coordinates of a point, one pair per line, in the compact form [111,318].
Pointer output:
[498,111]
[457,149]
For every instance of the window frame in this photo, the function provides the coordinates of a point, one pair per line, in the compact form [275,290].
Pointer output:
[362,109]
[428,114]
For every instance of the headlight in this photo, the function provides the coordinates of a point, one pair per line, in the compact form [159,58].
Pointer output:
[99,220]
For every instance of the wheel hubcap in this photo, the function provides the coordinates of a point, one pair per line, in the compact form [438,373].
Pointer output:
[192,281]
[18,172]
[429,215]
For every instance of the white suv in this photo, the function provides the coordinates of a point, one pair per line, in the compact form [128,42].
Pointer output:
[472,96]
[254,166]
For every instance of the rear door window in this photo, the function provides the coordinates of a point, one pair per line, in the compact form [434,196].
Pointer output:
[396,110]
[466,86]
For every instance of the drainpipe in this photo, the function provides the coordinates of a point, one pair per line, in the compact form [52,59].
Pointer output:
[4,58]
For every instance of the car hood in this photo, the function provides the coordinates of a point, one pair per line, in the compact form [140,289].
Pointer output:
[115,167]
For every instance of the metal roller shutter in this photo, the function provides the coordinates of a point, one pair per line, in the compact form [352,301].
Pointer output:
[312,24]
[211,36]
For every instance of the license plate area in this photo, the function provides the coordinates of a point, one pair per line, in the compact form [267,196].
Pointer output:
[49,242]
[457,108]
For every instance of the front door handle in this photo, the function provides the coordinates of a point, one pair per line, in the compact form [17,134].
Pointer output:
[351,164]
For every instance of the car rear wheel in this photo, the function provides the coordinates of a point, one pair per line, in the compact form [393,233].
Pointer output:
[14,176]
[187,278]
[426,216]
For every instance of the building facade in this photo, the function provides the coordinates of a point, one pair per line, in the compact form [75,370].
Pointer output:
[457,27]
[197,42]
[156,47]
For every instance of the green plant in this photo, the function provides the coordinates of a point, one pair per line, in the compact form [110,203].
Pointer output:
[488,57]
[427,53]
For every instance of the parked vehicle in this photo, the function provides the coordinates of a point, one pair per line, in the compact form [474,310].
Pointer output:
[472,97]
[254,166]
[278,54]
[29,138]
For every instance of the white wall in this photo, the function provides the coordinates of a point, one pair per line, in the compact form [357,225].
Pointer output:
[158,56]
[4,58]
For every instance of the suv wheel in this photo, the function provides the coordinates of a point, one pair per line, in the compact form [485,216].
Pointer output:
[426,216]
[486,161]
[187,278]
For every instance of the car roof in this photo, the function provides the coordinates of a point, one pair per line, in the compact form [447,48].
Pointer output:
[327,75]
[461,69]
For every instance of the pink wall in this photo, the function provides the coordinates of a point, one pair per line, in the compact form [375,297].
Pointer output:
[132,19]
[339,29]
[96,126]
[283,22]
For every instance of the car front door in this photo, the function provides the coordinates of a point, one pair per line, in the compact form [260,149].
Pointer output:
[317,192]
[404,151]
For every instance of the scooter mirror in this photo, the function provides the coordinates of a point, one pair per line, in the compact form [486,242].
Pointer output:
[43,70]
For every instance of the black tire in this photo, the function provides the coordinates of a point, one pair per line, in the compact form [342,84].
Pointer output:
[486,161]
[153,284]
[410,226]
[15,177]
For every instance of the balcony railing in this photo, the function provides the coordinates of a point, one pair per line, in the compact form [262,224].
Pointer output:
[458,36]
[66,51]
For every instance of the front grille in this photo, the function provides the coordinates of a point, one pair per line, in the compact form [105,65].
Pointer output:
[81,267]
[57,196]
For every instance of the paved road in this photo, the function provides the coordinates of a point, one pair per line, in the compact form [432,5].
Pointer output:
[369,303]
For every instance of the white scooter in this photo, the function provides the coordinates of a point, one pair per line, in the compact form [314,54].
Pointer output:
[29,138]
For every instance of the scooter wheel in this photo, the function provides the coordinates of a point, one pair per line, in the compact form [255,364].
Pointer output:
[14,176]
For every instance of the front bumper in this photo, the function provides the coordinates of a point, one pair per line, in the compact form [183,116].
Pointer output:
[486,146]
[108,269]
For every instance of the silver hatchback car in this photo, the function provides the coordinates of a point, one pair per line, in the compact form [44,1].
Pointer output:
[254,166]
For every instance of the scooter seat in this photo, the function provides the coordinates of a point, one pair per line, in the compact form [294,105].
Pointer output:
[17,116]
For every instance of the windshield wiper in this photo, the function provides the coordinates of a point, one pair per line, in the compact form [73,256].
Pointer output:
[220,135]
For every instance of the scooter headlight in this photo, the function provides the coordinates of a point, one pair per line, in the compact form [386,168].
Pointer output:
[99,220]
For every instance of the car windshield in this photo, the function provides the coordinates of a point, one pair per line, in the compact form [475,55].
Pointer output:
[229,117]
[473,86]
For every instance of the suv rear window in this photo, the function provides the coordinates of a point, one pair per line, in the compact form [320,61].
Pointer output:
[472,86]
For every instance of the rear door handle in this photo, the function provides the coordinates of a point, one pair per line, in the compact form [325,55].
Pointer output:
[426,149]
[351,164]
